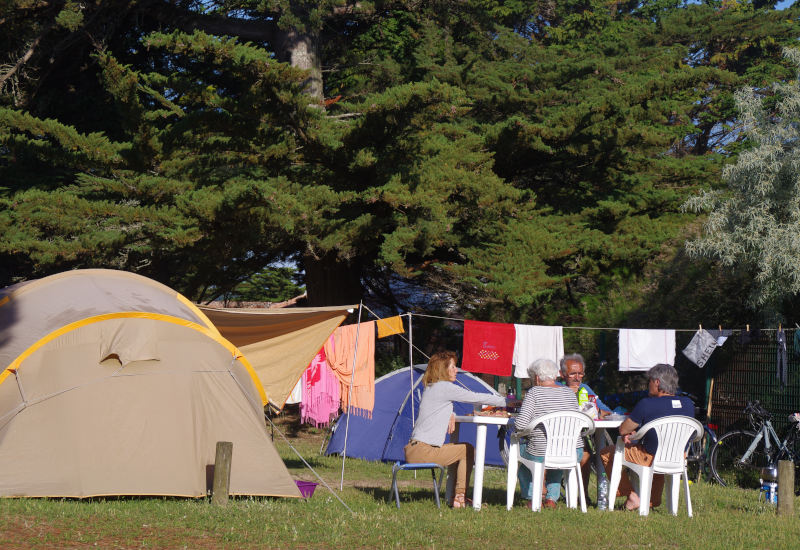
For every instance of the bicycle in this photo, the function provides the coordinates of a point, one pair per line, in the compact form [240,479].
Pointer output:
[740,455]
[698,456]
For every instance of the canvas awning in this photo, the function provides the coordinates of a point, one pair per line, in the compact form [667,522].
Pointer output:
[278,343]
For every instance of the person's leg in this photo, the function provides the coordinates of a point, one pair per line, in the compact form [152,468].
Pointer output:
[638,455]
[525,476]
[586,469]
[553,481]
[607,457]
[452,455]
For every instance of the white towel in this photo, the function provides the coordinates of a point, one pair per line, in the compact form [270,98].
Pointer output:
[642,349]
[534,342]
[297,393]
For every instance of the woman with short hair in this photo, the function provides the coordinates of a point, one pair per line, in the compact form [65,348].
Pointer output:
[546,396]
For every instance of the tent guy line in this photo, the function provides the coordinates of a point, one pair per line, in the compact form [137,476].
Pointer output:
[274,427]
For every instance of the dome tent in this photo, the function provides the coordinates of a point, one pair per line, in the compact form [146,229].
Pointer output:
[113,384]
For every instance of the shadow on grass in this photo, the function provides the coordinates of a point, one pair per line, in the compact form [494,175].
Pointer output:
[407,494]
[296,463]
[491,496]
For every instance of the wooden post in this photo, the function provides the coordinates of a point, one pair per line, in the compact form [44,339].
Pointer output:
[785,488]
[222,473]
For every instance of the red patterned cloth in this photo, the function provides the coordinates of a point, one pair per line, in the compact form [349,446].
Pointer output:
[488,347]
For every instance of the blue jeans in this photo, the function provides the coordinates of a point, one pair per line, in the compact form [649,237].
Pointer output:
[552,478]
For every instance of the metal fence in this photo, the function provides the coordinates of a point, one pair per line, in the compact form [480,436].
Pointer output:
[743,372]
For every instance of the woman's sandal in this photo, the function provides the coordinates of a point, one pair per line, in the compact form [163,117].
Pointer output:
[459,501]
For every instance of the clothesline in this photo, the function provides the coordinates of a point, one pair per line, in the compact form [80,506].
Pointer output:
[591,328]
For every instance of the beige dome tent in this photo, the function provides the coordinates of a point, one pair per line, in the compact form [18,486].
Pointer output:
[113,384]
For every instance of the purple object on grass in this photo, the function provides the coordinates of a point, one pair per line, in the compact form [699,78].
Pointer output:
[306,488]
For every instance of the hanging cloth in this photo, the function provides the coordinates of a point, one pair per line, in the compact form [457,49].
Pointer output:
[642,349]
[782,359]
[746,337]
[321,392]
[796,349]
[340,349]
[297,393]
[533,342]
[488,347]
[721,335]
[389,326]
[700,347]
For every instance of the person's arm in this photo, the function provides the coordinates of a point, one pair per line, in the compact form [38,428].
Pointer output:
[456,393]
[626,429]
[525,412]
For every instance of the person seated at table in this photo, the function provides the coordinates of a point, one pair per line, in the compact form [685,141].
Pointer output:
[436,420]
[573,368]
[662,383]
[545,396]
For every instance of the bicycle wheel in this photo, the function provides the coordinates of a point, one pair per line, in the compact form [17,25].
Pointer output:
[696,460]
[726,460]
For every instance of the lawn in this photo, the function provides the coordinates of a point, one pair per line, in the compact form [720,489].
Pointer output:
[724,518]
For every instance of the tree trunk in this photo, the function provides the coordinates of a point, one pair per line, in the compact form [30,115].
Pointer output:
[302,51]
[331,281]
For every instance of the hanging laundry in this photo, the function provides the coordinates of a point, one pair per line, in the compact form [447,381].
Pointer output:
[796,349]
[721,335]
[700,347]
[783,359]
[746,337]
[340,350]
[488,347]
[321,391]
[297,393]
[389,326]
[533,342]
[642,349]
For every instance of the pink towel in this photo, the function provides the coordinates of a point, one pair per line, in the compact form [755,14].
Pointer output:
[320,403]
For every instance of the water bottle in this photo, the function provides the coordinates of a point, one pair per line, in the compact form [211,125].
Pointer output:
[510,397]
[602,491]
[769,484]
[770,491]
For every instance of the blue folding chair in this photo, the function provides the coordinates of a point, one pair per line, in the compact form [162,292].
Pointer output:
[418,466]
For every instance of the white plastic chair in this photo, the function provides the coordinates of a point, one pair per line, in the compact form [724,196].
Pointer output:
[674,434]
[562,430]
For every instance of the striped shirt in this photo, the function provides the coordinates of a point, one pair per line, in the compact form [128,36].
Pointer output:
[539,401]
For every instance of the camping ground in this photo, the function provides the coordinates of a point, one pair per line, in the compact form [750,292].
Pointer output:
[723,518]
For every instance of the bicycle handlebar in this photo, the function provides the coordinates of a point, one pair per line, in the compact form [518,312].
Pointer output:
[756,411]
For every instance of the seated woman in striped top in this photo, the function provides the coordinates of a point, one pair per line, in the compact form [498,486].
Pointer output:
[546,396]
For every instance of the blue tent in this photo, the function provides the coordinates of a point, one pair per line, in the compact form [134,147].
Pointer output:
[383,436]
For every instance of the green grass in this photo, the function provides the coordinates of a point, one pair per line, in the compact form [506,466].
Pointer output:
[724,518]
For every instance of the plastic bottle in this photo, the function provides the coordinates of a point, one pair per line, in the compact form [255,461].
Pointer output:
[602,491]
[583,396]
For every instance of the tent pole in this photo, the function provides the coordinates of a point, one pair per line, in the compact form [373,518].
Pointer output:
[411,364]
[350,394]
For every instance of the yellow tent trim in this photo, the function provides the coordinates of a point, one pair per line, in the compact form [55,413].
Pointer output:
[197,311]
[215,335]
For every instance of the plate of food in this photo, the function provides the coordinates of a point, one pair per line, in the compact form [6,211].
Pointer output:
[500,412]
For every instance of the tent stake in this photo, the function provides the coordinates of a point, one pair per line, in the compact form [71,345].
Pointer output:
[350,395]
